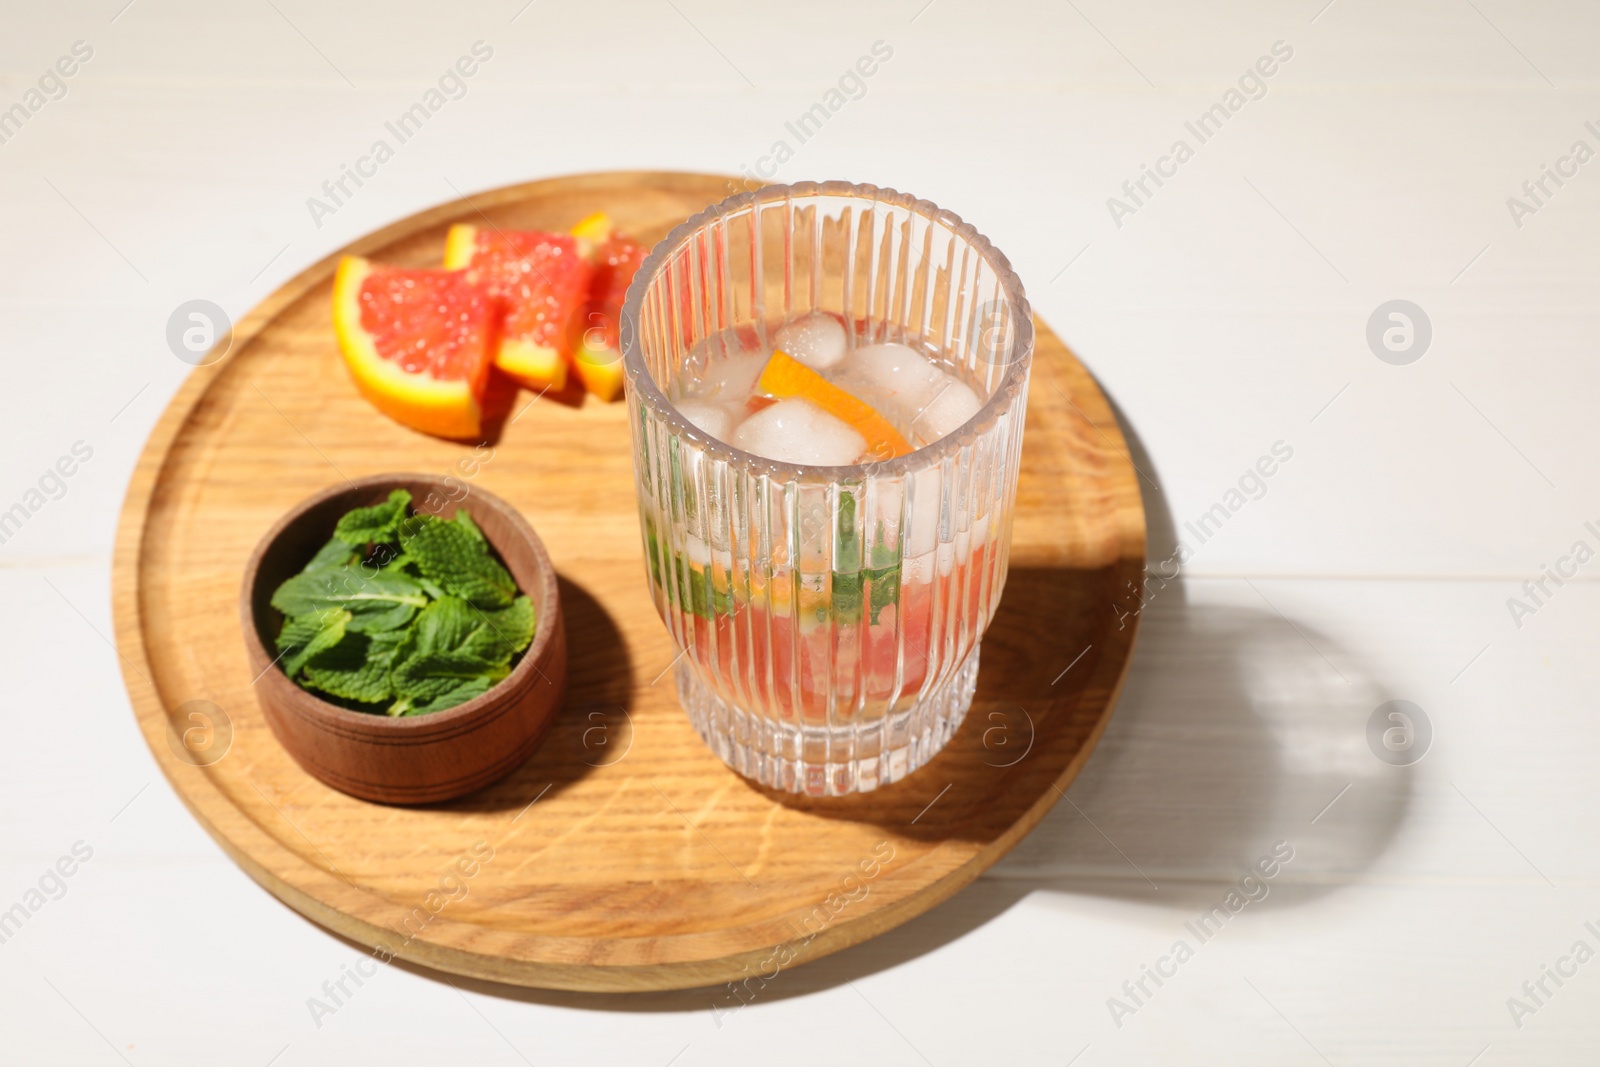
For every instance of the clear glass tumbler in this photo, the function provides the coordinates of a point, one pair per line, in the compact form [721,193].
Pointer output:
[828,618]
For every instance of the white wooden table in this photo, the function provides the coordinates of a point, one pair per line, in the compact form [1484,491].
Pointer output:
[1226,311]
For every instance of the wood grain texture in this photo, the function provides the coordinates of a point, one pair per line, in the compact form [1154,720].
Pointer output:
[625,855]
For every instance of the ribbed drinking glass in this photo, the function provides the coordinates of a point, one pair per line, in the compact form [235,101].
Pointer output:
[828,618]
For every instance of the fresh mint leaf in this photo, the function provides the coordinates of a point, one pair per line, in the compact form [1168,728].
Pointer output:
[404,614]
[510,629]
[333,554]
[375,600]
[382,555]
[406,565]
[460,694]
[463,519]
[303,637]
[443,626]
[411,525]
[451,555]
[357,668]
[451,624]
[423,678]
[452,643]
[374,525]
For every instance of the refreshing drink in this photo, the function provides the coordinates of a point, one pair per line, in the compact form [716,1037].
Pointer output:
[858,648]
[825,492]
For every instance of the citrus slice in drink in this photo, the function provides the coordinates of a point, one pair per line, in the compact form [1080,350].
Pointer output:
[541,279]
[419,344]
[597,353]
[786,377]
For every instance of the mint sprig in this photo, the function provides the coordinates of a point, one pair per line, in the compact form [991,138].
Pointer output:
[402,614]
[455,555]
[375,525]
[306,636]
[357,669]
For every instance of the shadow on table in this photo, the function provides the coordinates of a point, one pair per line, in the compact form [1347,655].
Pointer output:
[1239,727]
[593,712]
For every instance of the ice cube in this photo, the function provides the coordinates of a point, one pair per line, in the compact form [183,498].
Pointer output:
[797,431]
[894,378]
[730,378]
[714,419]
[817,340]
[926,513]
[953,406]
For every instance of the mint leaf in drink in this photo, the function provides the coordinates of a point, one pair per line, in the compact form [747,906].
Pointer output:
[375,600]
[357,668]
[303,637]
[456,557]
[845,591]
[866,592]
[885,582]
[375,525]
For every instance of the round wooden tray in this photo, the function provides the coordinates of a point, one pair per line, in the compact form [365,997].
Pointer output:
[624,855]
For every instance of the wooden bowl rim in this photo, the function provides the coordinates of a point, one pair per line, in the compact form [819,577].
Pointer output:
[303,702]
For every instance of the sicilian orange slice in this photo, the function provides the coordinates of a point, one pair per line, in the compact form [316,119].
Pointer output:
[614,258]
[591,231]
[419,344]
[541,279]
[786,377]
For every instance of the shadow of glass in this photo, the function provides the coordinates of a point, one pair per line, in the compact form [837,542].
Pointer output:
[1237,728]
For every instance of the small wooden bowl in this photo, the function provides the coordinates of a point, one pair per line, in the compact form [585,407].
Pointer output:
[425,758]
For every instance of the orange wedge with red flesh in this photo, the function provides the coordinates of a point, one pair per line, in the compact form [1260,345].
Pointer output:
[591,231]
[613,260]
[419,344]
[785,377]
[541,280]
